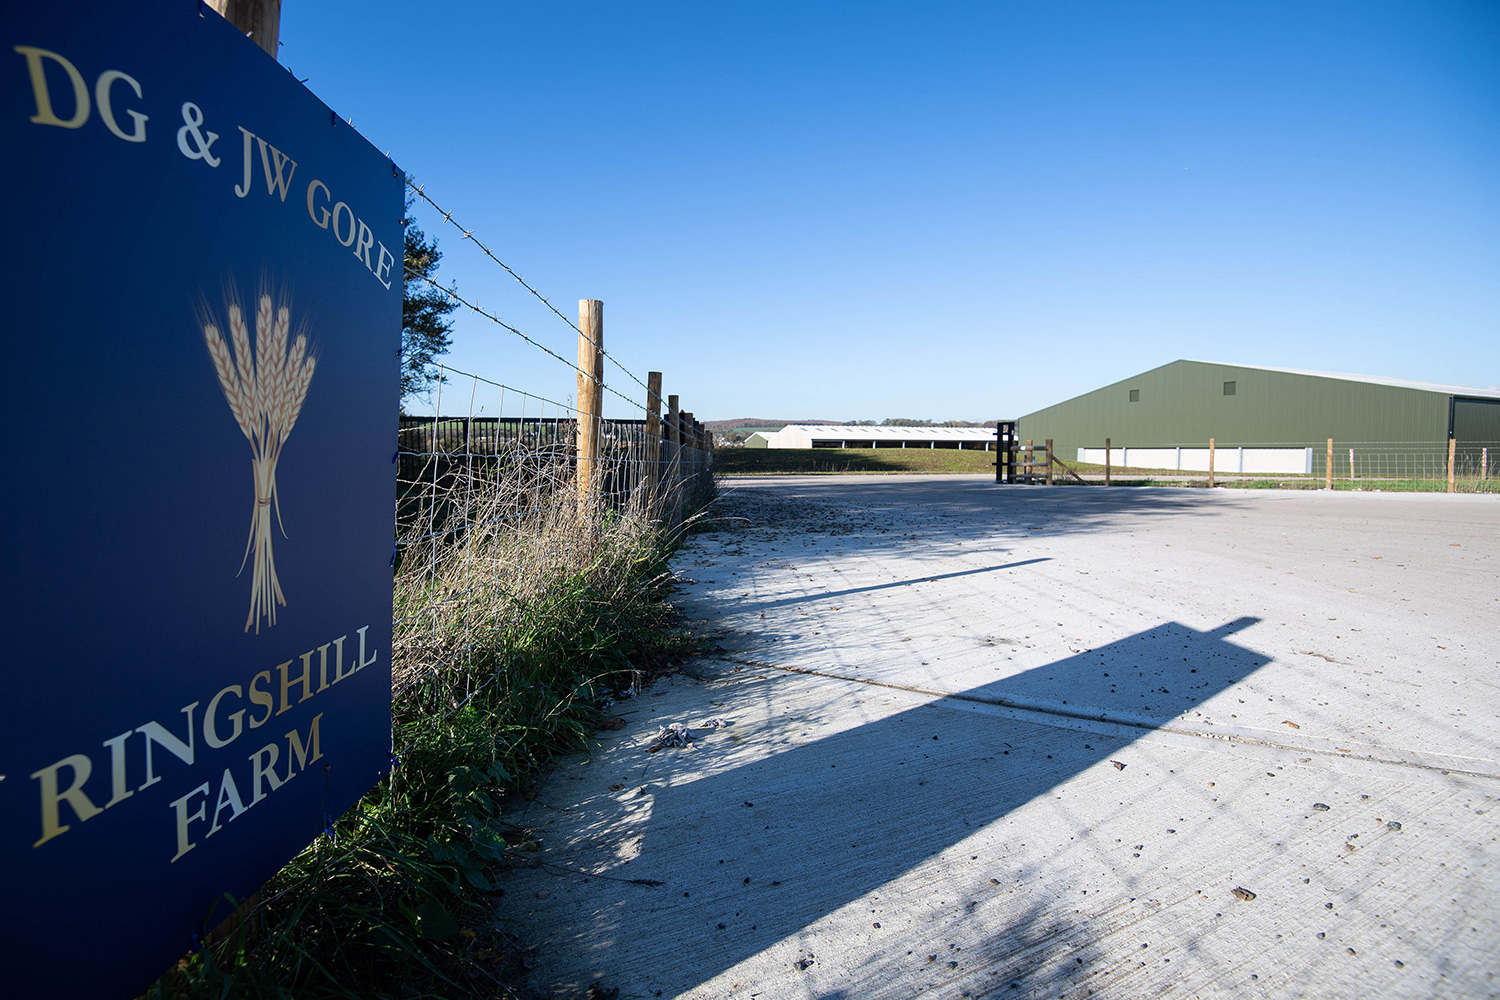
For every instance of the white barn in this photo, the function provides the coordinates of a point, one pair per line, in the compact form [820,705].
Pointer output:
[860,436]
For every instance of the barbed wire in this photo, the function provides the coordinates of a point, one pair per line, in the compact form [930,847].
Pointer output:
[449,369]
[468,234]
[539,346]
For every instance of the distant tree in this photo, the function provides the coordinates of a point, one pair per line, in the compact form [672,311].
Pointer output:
[425,325]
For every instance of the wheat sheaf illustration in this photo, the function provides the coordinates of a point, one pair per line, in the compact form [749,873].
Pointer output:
[265,388]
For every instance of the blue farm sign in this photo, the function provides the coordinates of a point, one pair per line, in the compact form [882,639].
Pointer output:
[203,290]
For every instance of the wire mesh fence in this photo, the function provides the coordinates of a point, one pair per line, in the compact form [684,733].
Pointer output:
[494,505]
[1452,466]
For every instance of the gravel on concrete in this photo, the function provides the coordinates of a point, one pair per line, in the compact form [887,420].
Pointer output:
[994,741]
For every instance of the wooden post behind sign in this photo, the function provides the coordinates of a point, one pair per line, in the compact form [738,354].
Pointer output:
[1106,461]
[1210,462]
[674,443]
[1452,442]
[1049,461]
[260,20]
[653,429]
[1328,467]
[590,397]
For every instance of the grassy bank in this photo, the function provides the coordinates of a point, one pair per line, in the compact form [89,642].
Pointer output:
[509,634]
[802,461]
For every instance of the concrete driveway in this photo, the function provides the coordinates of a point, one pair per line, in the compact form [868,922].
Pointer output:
[1029,742]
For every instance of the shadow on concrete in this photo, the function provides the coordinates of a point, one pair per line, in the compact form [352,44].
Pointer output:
[881,514]
[742,607]
[751,855]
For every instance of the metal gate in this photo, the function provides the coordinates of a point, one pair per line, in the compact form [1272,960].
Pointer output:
[1019,461]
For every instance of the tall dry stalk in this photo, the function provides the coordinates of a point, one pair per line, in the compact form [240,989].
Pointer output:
[265,389]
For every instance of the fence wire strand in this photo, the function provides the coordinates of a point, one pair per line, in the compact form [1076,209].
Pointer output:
[420,191]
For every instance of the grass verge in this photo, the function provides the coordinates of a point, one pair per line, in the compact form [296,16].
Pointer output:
[508,635]
[829,461]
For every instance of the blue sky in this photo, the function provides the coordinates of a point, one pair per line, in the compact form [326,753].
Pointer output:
[944,210]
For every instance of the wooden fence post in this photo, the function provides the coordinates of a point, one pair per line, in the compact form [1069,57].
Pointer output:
[260,20]
[1328,467]
[653,433]
[1106,461]
[590,397]
[1484,463]
[674,442]
[1210,463]
[1049,461]
[1452,443]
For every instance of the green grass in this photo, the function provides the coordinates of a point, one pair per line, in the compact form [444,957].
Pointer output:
[802,461]
[1134,476]
[1460,485]
[507,638]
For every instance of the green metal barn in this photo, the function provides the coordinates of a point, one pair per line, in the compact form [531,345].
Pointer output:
[1264,415]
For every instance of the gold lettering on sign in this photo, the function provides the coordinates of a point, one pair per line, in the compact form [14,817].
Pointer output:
[65,799]
[45,115]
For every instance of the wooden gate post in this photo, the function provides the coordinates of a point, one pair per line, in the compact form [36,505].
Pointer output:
[1049,461]
[1328,467]
[1452,443]
[653,433]
[590,397]
[1210,463]
[1106,461]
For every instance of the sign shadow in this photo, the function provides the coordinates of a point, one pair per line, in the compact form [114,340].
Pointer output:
[751,855]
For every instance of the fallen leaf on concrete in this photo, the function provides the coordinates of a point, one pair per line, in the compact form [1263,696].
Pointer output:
[1289,722]
[1321,807]
[1240,892]
[1393,825]
[1118,766]
[616,787]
